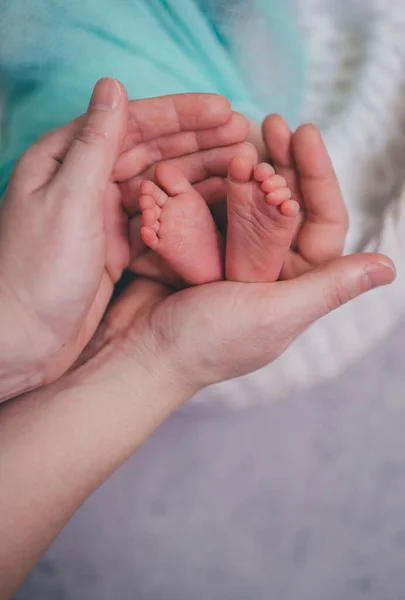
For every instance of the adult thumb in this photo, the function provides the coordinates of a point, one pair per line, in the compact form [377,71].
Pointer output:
[315,294]
[89,162]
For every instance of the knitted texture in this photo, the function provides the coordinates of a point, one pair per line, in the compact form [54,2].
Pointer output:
[355,92]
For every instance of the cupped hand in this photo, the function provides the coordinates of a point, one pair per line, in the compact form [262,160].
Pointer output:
[209,333]
[203,157]
[63,230]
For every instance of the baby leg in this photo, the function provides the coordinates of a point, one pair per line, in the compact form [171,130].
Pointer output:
[261,222]
[177,225]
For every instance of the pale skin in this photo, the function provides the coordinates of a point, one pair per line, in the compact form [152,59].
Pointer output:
[261,222]
[302,159]
[59,304]
[178,225]
[153,350]
[292,214]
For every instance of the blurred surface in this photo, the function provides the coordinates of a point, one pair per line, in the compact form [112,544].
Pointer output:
[303,499]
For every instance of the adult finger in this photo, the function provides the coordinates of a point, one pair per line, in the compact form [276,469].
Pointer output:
[188,122]
[301,301]
[142,155]
[39,163]
[261,320]
[277,137]
[326,216]
[89,162]
[213,190]
[172,114]
[319,184]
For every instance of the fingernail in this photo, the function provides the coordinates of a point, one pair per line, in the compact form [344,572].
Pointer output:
[106,95]
[380,273]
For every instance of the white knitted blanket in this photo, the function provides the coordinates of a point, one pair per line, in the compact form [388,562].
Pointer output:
[356,94]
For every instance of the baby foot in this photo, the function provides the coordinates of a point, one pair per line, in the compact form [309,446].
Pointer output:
[177,225]
[261,222]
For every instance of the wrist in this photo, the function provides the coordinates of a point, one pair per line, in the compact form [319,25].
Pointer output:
[83,426]
[133,371]
[21,369]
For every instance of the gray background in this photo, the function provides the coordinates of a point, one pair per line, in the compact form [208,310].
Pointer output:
[303,499]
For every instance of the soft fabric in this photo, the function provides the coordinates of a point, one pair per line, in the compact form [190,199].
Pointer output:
[53,51]
[354,89]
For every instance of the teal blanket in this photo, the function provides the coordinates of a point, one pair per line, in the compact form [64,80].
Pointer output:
[53,51]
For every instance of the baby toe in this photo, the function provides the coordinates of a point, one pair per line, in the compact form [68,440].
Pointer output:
[277,197]
[146,202]
[289,208]
[263,171]
[147,187]
[149,237]
[273,184]
[150,218]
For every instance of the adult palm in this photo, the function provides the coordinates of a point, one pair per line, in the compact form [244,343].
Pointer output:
[64,202]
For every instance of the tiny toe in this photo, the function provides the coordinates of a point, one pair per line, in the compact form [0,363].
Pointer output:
[160,196]
[274,200]
[147,187]
[149,237]
[149,205]
[280,195]
[149,218]
[273,184]
[146,202]
[277,137]
[263,171]
[240,169]
[289,208]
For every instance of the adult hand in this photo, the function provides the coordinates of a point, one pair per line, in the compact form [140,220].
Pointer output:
[303,160]
[202,158]
[63,231]
[214,332]
[153,351]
